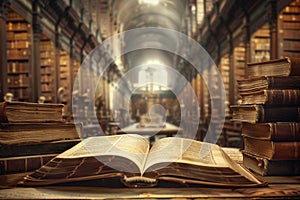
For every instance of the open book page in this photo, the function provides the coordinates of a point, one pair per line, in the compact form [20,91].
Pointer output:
[167,151]
[132,147]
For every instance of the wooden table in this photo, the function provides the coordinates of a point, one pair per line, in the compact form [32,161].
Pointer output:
[167,130]
[288,188]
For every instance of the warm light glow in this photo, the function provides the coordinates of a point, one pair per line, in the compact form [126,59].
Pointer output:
[150,2]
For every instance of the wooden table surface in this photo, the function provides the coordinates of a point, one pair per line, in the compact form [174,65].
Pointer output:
[278,188]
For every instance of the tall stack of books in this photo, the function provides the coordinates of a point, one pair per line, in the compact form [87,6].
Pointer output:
[270,112]
[31,134]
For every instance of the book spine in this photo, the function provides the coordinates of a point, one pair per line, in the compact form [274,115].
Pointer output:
[36,148]
[286,150]
[285,97]
[23,164]
[279,82]
[285,131]
[264,166]
[294,66]
[3,116]
[278,114]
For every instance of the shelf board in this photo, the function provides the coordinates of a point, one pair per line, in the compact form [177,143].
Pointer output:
[17,73]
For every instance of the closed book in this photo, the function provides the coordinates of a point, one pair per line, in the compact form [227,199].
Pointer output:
[16,133]
[266,167]
[24,112]
[278,67]
[265,113]
[23,163]
[272,150]
[276,131]
[38,148]
[273,97]
[259,84]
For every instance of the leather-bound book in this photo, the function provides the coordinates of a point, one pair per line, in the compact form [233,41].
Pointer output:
[266,167]
[272,150]
[276,131]
[259,84]
[273,97]
[265,113]
[278,67]
[24,112]
[23,163]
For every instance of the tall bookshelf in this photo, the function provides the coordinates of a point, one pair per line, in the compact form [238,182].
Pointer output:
[65,80]
[47,68]
[289,30]
[225,72]
[260,45]
[18,45]
[239,64]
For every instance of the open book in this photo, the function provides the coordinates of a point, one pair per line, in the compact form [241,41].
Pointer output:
[129,159]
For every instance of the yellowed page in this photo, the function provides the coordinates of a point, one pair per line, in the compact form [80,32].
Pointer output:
[132,147]
[183,150]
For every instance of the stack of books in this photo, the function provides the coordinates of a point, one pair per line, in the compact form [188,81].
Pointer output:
[270,112]
[31,134]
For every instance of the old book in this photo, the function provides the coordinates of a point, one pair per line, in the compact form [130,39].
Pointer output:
[276,131]
[272,150]
[37,148]
[23,163]
[277,67]
[273,97]
[130,160]
[17,133]
[265,113]
[266,167]
[259,84]
[24,112]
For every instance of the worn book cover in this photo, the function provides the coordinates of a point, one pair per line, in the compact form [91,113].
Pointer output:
[273,97]
[23,163]
[130,160]
[278,67]
[266,167]
[265,113]
[276,131]
[24,112]
[17,133]
[272,150]
[259,84]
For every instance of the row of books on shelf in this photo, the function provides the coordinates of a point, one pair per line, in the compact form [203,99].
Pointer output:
[270,113]
[19,67]
[17,36]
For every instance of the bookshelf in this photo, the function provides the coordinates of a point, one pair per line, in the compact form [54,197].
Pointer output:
[47,68]
[18,45]
[239,64]
[225,72]
[260,44]
[289,30]
[64,80]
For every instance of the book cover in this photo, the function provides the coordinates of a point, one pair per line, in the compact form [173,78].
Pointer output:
[276,131]
[266,167]
[273,97]
[259,84]
[278,67]
[23,163]
[109,157]
[37,148]
[25,112]
[272,150]
[265,113]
